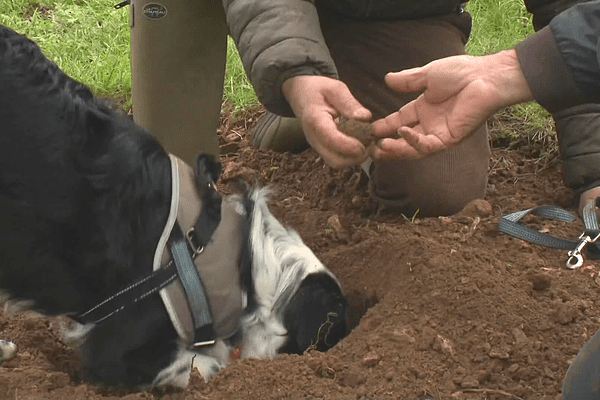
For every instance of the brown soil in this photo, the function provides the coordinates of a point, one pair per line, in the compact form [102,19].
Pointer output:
[441,307]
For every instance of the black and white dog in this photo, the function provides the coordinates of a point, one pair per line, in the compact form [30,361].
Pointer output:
[85,196]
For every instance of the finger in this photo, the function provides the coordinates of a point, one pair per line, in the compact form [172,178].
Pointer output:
[409,80]
[336,148]
[409,115]
[395,148]
[389,125]
[424,144]
[338,160]
[342,100]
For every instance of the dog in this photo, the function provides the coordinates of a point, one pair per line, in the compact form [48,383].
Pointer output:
[85,196]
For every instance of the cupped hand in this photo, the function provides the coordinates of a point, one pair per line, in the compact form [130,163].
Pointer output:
[459,94]
[318,101]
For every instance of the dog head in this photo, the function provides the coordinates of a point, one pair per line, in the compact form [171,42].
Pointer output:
[298,304]
[316,315]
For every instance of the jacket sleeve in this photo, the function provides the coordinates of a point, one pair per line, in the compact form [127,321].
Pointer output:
[560,62]
[278,39]
[544,10]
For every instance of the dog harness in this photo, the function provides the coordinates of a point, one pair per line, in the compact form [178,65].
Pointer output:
[208,287]
[198,284]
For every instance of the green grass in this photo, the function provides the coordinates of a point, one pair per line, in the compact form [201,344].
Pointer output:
[238,92]
[90,41]
[497,25]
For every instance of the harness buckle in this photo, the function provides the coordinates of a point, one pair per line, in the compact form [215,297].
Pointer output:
[575,258]
[196,249]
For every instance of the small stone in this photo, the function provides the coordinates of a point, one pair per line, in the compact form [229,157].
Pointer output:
[370,360]
[232,137]
[513,368]
[498,353]
[402,338]
[8,350]
[520,337]
[477,208]
[229,148]
[357,201]
[334,223]
[469,383]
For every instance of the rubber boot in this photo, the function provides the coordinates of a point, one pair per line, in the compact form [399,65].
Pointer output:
[279,134]
[582,381]
[178,55]
[578,130]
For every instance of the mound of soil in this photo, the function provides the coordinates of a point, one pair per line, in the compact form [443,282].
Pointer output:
[441,307]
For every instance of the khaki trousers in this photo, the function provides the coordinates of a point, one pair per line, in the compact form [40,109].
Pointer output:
[178,52]
[364,51]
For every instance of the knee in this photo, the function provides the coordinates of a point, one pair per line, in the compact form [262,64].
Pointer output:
[429,200]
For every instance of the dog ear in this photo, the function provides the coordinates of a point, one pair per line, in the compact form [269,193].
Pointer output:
[97,124]
[207,172]
[206,169]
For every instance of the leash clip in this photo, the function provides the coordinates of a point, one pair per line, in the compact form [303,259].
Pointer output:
[196,249]
[575,258]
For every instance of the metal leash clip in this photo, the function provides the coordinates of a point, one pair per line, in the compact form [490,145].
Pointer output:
[575,258]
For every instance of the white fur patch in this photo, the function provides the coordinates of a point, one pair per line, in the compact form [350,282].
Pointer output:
[280,261]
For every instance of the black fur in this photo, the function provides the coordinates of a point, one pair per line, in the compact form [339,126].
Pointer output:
[316,316]
[84,197]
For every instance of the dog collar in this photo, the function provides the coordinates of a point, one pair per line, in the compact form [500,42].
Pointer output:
[206,300]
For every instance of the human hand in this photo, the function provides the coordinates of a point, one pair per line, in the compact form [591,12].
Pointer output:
[460,93]
[317,101]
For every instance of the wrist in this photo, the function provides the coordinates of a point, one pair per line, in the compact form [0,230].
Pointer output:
[507,76]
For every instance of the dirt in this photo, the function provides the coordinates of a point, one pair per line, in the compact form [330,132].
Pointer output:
[442,308]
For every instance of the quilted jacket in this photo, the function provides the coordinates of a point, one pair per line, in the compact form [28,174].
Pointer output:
[279,39]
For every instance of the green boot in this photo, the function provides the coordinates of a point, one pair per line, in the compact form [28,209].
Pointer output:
[280,134]
[178,51]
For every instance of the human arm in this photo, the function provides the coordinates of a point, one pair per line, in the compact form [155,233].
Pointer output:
[460,93]
[559,64]
[288,63]
[276,40]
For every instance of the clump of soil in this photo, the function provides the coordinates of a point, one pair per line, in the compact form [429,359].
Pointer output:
[361,130]
[441,307]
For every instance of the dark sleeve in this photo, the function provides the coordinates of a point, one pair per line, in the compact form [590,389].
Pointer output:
[278,39]
[544,10]
[560,62]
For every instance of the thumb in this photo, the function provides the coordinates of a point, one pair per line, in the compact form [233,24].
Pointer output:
[409,80]
[342,100]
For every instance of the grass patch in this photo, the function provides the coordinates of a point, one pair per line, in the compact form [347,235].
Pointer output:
[238,92]
[88,39]
[497,25]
